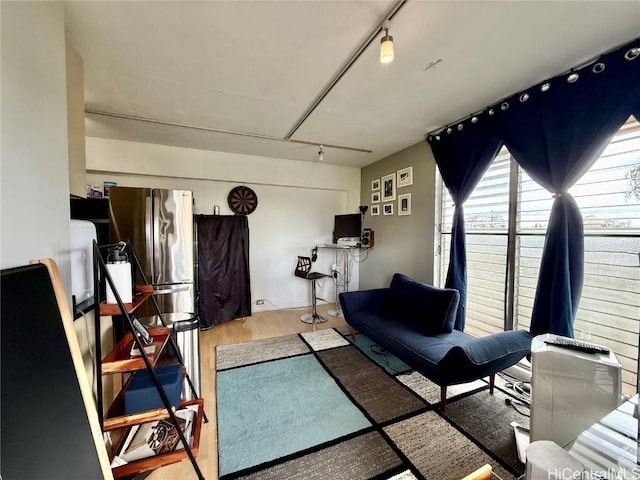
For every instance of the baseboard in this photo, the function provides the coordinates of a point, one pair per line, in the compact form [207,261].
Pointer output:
[262,308]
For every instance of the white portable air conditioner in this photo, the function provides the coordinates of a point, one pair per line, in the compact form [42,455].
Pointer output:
[570,389]
[82,236]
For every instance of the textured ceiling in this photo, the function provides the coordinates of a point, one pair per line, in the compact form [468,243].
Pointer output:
[239,76]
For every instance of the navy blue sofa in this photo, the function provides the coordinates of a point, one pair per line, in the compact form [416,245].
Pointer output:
[415,322]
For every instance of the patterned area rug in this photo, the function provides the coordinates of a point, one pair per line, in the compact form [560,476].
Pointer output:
[316,406]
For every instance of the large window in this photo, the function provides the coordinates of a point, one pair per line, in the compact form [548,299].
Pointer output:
[506,221]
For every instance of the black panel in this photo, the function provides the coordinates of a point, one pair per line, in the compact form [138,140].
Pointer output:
[45,431]
[95,210]
[88,208]
[224,286]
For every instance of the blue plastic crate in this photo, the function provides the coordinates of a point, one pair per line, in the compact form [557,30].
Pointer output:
[142,394]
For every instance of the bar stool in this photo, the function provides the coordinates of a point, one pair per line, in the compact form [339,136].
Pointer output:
[303,270]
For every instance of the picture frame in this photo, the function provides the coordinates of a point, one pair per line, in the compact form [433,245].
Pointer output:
[389,187]
[139,442]
[387,209]
[404,204]
[405,177]
[375,197]
[375,210]
[375,184]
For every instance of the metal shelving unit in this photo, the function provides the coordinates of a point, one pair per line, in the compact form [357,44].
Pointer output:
[119,360]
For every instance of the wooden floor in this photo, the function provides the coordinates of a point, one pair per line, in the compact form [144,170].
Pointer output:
[258,326]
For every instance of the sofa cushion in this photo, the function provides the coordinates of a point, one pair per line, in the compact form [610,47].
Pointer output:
[432,309]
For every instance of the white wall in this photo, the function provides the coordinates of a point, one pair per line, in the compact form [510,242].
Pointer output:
[34,193]
[296,204]
[34,165]
[75,121]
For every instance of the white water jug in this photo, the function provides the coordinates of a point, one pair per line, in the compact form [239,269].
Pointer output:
[119,269]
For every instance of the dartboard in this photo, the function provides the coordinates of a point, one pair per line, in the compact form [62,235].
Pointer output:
[242,200]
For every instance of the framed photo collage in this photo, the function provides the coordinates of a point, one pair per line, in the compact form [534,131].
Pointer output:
[384,193]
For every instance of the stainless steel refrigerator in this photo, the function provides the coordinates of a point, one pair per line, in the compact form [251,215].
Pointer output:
[159,225]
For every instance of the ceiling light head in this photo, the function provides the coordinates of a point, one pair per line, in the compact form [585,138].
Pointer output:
[386,45]
[320,154]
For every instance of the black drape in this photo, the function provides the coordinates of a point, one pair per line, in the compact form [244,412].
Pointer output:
[224,290]
[462,157]
[556,131]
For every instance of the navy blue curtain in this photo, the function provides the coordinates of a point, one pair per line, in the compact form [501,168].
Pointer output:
[462,157]
[556,131]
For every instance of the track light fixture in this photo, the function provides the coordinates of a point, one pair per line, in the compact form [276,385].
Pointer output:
[386,45]
[321,154]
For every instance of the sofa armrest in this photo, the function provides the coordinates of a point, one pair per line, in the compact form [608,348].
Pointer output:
[363,300]
[484,350]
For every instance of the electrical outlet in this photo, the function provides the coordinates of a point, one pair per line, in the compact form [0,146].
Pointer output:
[260,302]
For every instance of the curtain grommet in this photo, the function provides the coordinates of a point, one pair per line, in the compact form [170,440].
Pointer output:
[598,67]
[524,97]
[460,127]
[573,77]
[504,106]
[474,119]
[545,87]
[632,53]
[491,112]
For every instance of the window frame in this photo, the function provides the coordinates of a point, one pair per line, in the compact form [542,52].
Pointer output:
[515,232]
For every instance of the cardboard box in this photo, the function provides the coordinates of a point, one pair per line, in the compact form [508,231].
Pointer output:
[142,393]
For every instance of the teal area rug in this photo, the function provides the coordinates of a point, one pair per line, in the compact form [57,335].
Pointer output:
[378,354]
[272,409]
[318,407]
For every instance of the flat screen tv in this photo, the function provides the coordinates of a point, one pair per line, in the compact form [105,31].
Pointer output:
[347,226]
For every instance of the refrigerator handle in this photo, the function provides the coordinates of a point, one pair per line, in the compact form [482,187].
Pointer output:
[149,235]
[161,290]
[157,251]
